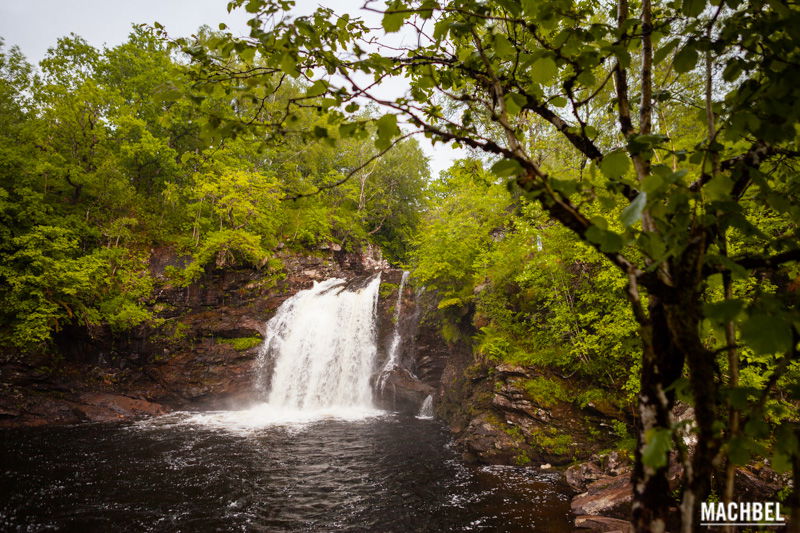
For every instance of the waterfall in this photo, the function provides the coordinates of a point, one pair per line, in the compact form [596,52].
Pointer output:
[393,356]
[316,361]
[426,411]
[321,347]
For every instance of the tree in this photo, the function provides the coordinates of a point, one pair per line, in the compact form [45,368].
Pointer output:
[704,147]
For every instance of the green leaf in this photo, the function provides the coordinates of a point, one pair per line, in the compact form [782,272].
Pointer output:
[662,53]
[544,70]
[507,167]
[387,129]
[719,188]
[319,87]
[739,397]
[724,311]
[767,334]
[615,164]
[503,47]
[633,213]
[394,17]
[686,59]
[449,302]
[692,8]
[738,451]
[608,241]
[657,442]
[652,182]
[781,462]
[289,65]
[514,103]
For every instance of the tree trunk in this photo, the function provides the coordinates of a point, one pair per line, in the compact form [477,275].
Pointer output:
[662,364]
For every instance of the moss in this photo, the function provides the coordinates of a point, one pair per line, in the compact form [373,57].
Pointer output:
[450,332]
[522,459]
[386,289]
[242,343]
[546,392]
[550,440]
[180,331]
[513,431]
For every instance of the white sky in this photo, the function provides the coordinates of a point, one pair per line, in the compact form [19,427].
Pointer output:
[35,25]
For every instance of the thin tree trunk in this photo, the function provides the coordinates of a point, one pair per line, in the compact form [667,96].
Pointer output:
[662,364]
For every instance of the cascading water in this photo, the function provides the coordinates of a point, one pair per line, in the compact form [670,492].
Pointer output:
[316,360]
[426,411]
[322,346]
[393,356]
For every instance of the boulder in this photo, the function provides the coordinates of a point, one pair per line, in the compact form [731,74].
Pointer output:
[604,466]
[610,496]
[483,442]
[403,391]
[580,475]
[509,398]
[758,483]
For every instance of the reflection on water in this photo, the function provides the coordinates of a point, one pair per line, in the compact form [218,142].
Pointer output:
[215,471]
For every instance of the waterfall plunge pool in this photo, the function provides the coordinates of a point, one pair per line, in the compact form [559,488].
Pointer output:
[206,472]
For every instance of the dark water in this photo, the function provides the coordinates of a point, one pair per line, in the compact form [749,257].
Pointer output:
[383,474]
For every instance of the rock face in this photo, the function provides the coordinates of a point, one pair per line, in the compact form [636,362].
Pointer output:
[497,419]
[200,355]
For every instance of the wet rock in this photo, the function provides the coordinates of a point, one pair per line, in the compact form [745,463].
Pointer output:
[588,524]
[402,391]
[684,419]
[485,443]
[600,466]
[610,496]
[102,407]
[580,475]
[191,360]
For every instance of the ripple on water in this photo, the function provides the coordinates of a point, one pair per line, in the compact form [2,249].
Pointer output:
[222,471]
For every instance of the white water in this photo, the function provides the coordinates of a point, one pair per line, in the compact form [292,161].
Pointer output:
[323,342]
[426,411]
[393,356]
[316,360]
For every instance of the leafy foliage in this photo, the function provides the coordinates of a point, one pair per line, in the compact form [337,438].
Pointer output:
[107,155]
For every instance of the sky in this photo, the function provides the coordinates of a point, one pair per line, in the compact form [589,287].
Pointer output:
[34,25]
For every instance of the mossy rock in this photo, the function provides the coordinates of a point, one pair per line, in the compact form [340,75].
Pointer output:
[242,344]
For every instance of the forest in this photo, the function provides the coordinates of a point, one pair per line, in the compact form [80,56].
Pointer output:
[628,215]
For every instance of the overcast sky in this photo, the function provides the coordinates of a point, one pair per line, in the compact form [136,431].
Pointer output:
[35,25]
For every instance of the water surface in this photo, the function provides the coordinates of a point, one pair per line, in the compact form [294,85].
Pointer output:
[190,472]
